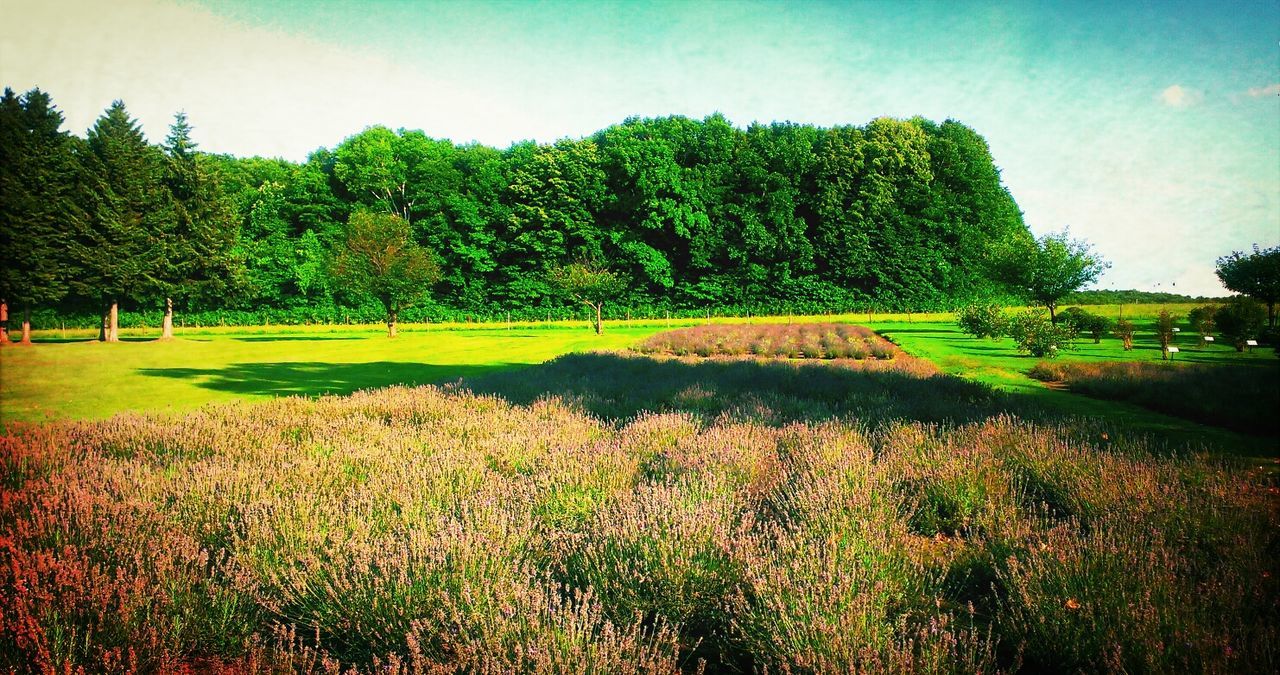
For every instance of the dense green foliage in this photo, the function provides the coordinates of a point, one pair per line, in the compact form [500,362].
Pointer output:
[1256,275]
[1128,297]
[695,213]
[1085,323]
[1037,335]
[982,320]
[1047,269]
[380,258]
[1239,321]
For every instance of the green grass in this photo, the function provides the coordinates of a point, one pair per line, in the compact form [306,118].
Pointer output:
[69,376]
[86,379]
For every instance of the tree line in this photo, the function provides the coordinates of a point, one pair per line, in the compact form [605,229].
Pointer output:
[692,214]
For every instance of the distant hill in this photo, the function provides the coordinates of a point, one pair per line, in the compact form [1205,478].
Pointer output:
[1131,297]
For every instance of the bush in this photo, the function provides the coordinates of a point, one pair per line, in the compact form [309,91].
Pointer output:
[1240,320]
[1201,319]
[1083,322]
[981,320]
[1124,330]
[1036,335]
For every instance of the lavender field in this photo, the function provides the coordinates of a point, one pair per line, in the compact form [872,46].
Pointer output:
[619,513]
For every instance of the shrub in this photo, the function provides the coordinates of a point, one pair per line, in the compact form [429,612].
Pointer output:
[1201,319]
[1240,320]
[1035,335]
[981,320]
[1124,330]
[1083,322]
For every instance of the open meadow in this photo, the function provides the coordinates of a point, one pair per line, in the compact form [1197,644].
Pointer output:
[709,501]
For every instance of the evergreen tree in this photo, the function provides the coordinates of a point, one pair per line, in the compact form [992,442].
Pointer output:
[197,261]
[37,205]
[125,236]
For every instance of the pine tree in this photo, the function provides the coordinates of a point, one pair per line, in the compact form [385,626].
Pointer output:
[37,205]
[197,261]
[122,243]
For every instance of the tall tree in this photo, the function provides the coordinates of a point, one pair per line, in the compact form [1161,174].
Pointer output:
[1051,267]
[120,248]
[380,258]
[38,179]
[199,261]
[1256,275]
[374,167]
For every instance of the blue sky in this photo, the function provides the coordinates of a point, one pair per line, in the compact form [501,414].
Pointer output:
[1151,130]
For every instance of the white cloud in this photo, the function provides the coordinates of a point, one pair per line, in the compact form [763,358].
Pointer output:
[1178,96]
[1269,90]
[248,90]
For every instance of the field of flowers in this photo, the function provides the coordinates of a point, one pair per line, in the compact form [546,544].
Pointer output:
[796,341]
[1240,397]
[621,513]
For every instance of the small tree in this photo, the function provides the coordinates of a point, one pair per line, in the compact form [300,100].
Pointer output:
[1240,320]
[981,319]
[380,258]
[1124,330]
[1036,335]
[1256,275]
[1050,268]
[1201,319]
[1164,332]
[590,283]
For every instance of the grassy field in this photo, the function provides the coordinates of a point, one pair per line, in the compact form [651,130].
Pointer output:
[86,379]
[614,512]
[74,377]
[563,504]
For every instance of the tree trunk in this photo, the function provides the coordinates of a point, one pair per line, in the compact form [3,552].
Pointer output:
[599,323]
[26,326]
[392,315]
[1271,314]
[102,325]
[111,323]
[4,322]
[166,331]
[1053,314]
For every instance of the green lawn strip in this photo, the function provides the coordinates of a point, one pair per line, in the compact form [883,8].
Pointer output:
[998,364]
[86,380]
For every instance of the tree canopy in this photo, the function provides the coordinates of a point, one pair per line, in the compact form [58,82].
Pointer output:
[696,214]
[1256,275]
[1051,267]
[380,258]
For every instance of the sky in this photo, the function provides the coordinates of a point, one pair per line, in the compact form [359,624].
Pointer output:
[1151,130]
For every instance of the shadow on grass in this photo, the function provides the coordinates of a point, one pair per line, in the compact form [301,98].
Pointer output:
[310,378]
[617,387]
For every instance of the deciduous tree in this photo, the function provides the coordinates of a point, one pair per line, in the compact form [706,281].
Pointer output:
[1256,275]
[1049,268]
[590,283]
[380,258]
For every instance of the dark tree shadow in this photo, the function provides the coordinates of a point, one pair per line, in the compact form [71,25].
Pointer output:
[309,378]
[617,387]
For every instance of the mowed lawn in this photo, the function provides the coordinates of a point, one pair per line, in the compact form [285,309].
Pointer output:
[83,379]
[87,379]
